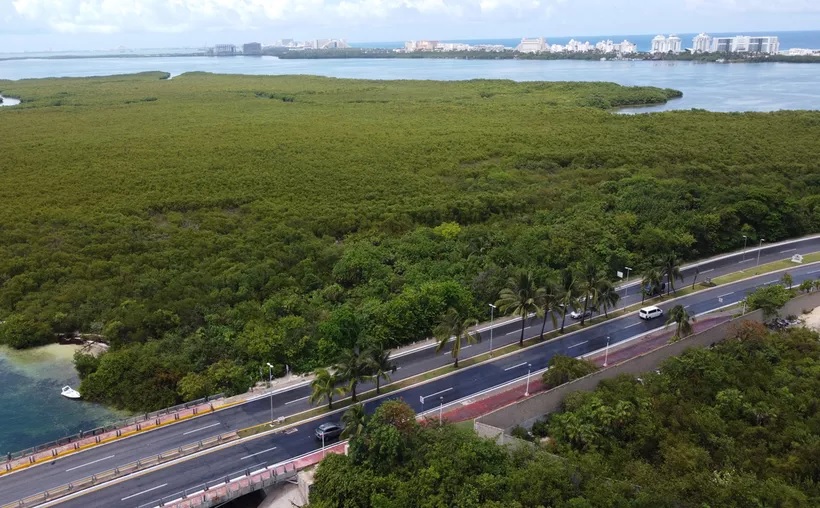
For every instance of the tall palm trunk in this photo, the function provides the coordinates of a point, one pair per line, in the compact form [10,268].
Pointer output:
[523,324]
[353,391]
[563,318]
[586,304]
[543,325]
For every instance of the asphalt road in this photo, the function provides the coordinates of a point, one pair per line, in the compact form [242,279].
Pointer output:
[290,401]
[170,482]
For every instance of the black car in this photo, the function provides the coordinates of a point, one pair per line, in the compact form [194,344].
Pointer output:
[328,431]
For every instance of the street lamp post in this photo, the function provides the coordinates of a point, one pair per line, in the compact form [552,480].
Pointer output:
[759,248]
[745,239]
[440,407]
[527,390]
[606,354]
[323,444]
[492,308]
[270,385]
[626,288]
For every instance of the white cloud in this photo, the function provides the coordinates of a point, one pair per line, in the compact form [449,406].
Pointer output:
[108,16]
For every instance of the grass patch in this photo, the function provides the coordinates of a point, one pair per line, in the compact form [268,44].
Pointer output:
[767,268]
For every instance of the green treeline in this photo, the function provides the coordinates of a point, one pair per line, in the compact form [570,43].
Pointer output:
[206,225]
[736,425]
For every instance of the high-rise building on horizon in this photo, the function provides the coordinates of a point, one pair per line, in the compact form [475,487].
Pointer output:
[701,43]
[661,44]
[768,44]
[532,45]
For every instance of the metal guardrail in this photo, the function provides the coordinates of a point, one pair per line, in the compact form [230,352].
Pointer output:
[199,493]
[120,471]
[112,427]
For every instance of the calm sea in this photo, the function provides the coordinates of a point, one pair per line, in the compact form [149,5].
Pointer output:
[715,87]
[794,39]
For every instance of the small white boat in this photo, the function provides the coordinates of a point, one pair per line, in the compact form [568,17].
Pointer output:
[70,392]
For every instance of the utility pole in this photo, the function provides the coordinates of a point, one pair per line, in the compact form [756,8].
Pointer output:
[745,239]
[440,407]
[606,354]
[527,391]
[759,248]
[492,308]
[270,385]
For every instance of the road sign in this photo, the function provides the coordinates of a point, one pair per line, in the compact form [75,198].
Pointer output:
[797,258]
[720,299]
[620,274]
[421,398]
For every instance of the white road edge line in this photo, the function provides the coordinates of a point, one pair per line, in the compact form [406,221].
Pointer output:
[770,282]
[727,294]
[258,453]
[297,400]
[572,346]
[811,272]
[709,270]
[787,250]
[144,492]
[519,365]
[202,428]
[437,393]
[630,326]
[89,463]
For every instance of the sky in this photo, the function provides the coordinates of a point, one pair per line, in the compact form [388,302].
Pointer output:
[58,25]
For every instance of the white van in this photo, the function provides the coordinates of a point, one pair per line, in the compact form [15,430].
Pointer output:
[650,312]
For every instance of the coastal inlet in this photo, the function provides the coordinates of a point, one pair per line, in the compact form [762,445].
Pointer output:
[31,407]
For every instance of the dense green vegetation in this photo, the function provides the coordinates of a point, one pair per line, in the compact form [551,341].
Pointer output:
[737,425]
[207,225]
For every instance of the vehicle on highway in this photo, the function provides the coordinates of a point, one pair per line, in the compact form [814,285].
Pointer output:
[578,314]
[328,431]
[650,312]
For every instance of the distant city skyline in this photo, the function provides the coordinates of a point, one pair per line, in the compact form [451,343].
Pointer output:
[41,25]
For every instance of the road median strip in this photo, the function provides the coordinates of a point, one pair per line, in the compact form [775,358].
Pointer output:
[283,424]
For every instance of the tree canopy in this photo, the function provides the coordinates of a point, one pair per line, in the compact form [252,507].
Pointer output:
[734,425]
[239,220]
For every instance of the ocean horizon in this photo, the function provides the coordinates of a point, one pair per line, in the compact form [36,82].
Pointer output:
[807,39]
[788,39]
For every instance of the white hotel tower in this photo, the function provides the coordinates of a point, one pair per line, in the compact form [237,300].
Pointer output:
[661,44]
[701,43]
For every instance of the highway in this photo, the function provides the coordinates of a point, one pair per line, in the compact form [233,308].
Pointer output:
[169,482]
[290,401]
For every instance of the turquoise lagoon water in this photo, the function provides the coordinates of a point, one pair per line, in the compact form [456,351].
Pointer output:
[32,411]
[712,86]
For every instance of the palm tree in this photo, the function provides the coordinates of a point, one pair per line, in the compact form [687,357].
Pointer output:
[671,269]
[520,297]
[353,369]
[453,324]
[568,293]
[590,280]
[549,305]
[379,364]
[607,295]
[650,283]
[678,314]
[353,421]
[324,386]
